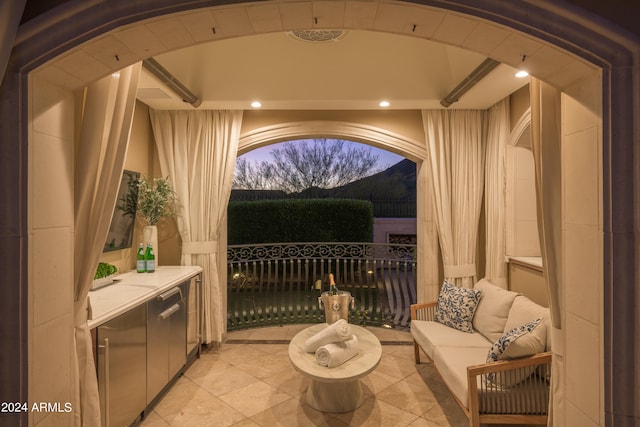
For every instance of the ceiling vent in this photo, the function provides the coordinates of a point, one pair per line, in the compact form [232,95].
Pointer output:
[318,36]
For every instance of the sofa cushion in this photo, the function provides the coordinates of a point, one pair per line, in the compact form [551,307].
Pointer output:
[509,346]
[517,342]
[456,306]
[452,362]
[524,310]
[429,335]
[493,309]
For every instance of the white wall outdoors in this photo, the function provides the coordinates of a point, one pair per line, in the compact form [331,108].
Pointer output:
[383,227]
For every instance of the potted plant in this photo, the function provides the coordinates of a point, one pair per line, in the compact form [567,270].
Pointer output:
[104,275]
[155,200]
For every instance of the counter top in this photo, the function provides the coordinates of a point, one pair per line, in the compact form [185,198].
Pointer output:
[132,289]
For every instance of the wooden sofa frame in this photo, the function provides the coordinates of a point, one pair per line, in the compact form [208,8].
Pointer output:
[483,396]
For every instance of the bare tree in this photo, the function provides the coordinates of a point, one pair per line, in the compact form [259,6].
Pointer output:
[316,163]
[252,176]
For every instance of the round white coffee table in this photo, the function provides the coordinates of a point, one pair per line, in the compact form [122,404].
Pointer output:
[335,389]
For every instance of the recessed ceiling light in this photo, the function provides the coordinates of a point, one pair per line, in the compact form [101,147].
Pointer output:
[256,104]
[384,104]
[522,74]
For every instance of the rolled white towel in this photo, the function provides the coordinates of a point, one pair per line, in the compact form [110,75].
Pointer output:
[335,354]
[336,332]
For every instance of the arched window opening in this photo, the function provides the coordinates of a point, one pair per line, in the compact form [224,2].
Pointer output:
[288,273]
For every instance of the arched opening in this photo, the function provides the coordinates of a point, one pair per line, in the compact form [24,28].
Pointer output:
[370,251]
[522,240]
[617,167]
[359,132]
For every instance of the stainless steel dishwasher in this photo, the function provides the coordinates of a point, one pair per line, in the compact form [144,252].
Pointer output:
[121,357]
[166,340]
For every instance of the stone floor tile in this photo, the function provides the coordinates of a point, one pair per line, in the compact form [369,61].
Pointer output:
[254,398]
[249,381]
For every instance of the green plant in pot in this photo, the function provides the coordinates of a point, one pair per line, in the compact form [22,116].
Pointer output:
[155,200]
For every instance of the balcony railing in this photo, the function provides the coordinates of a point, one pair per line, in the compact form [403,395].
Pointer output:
[275,284]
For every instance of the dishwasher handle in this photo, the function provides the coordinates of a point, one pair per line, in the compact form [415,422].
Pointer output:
[165,296]
[169,311]
[107,391]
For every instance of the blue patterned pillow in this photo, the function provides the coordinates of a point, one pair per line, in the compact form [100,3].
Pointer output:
[498,349]
[505,348]
[456,306]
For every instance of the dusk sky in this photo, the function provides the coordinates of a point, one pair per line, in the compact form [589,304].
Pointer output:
[385,158]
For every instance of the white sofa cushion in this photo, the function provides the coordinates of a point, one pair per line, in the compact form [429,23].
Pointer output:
[524,310]
[429,335]
[452,362]
[456,306]
[517,342]
[493,309]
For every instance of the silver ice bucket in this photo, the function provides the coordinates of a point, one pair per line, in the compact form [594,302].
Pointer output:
[336,307]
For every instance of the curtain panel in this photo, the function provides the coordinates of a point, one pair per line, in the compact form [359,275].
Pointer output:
[498,130]
[197,151]
[546,147]
[455,158]
[106,118]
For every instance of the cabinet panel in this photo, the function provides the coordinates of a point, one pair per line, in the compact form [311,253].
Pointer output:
[122,376]
[177,354]
[166,339]
[192,292]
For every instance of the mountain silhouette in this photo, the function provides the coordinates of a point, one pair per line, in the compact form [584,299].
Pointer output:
[395,182]
[392,191]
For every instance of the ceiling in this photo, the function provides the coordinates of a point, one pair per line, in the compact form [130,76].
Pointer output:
[356,71]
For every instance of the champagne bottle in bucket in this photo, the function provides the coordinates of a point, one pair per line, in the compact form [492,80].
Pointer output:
[335,302]
[333,289]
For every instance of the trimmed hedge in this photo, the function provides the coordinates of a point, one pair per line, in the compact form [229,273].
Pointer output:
[307,220]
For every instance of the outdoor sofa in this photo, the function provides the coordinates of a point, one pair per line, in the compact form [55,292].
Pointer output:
[491,347]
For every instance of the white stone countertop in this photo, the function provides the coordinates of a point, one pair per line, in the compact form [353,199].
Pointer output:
[132,289]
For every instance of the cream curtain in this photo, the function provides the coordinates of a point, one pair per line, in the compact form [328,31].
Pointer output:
[197,152]
[498,130]
[455,156]
[101,149]
[546,147]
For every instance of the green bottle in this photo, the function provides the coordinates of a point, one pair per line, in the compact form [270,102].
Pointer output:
[150,259]
[333,289]
[140,263]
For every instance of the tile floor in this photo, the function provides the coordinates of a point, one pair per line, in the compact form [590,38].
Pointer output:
[249,381]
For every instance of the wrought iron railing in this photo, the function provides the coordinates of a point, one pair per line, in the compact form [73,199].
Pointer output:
[275,284]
